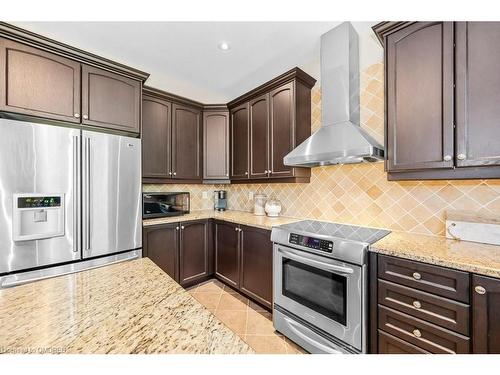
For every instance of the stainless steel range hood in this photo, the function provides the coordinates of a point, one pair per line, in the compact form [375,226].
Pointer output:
[340,140]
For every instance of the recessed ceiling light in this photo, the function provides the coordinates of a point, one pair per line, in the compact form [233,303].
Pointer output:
[224,46]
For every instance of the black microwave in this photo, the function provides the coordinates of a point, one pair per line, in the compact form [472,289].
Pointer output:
[164,204]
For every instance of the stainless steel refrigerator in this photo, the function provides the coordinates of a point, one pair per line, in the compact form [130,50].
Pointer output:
[69,198]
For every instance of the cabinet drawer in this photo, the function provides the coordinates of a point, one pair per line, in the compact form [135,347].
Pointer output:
[418,332]
[388,344]
[438,310]
[433,279]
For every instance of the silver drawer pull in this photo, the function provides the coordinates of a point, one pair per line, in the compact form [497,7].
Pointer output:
[447,158]
[417,333]
[417,276]
[480,290]
[461,156]
[417,304]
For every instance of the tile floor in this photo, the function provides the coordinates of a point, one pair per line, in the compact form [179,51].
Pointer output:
[247,319]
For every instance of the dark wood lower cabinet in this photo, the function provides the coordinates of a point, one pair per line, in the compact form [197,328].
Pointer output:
[244,260]
[182,250]
[194,252]
[485,315]
[256,279]
[388,344]
[160,244]
[227,255]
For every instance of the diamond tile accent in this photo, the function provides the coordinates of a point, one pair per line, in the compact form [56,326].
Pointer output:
[360,194]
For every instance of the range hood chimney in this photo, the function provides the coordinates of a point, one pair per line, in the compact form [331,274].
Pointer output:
[340,140]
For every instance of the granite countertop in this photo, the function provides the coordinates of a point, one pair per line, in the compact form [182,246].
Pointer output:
[130,307]
[238,217]
[467,256]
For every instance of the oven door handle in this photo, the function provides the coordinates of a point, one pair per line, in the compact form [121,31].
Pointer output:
[295,328]
[315,263]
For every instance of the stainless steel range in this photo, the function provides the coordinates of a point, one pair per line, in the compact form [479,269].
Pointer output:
[320,284]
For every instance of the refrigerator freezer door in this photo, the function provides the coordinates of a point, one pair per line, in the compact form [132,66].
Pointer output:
[111,194]
[39,195]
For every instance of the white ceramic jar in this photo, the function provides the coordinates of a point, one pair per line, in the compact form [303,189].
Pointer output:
[259,201]
[273,208]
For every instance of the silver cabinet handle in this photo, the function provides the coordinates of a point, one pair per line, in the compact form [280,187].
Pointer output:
[170,173]
[236,229]
[315,263]
[480,290]
[85,117]
[246,173]
[87,247]
[461,156]
[76,115]
[175,173]
[417,276]
[182,227]
[417,304]
[417,333]
[176,228]
[447,158]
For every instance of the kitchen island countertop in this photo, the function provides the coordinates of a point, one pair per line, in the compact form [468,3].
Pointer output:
[130,307]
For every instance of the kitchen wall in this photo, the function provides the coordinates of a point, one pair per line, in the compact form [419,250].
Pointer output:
[360,194]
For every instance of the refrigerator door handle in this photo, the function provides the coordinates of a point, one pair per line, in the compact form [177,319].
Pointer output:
[76,193]
[87,194]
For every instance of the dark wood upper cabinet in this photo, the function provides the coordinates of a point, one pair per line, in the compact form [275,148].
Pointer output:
[160,244]
[186,142]
[420,97]
[281,128]
[278,114]
[239,142]
[442,90]
[194,256]
[485,309]
[156,131]
[216,145]
[37,83]
[110,100]
[256,264]
[227,255]
[259,137]
[477,93]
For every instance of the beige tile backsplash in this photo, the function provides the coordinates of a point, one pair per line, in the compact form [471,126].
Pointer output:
[360,194]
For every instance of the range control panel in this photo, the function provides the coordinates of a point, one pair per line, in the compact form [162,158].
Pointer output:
[311,242]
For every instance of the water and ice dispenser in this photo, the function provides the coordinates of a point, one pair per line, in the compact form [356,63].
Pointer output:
[37,216]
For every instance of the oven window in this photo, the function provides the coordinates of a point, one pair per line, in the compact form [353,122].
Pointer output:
[322,291]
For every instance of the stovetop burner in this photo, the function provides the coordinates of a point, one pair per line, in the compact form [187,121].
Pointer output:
[339,231]
[347,243]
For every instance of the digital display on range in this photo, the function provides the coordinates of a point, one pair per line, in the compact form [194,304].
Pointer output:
[38,202]
[311,242]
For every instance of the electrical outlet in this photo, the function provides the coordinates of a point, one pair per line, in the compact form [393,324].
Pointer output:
[204,195]
[250,195]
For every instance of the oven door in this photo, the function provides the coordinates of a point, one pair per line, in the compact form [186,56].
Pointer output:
[322,291]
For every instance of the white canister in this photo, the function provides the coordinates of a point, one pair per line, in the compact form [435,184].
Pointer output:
[273,208]
[259,201]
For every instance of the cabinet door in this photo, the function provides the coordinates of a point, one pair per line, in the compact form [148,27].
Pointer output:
[186,142]
[419,68]
[227,258]
[259,137]
[194,252]
[239,142]
[257,264]
[281,128]
[156,131]
[216,145]
[485,309]
[38,83]
[110,100]
[477,93]
[160,244]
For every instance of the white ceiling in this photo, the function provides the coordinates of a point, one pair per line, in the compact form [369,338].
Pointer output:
[183,58]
